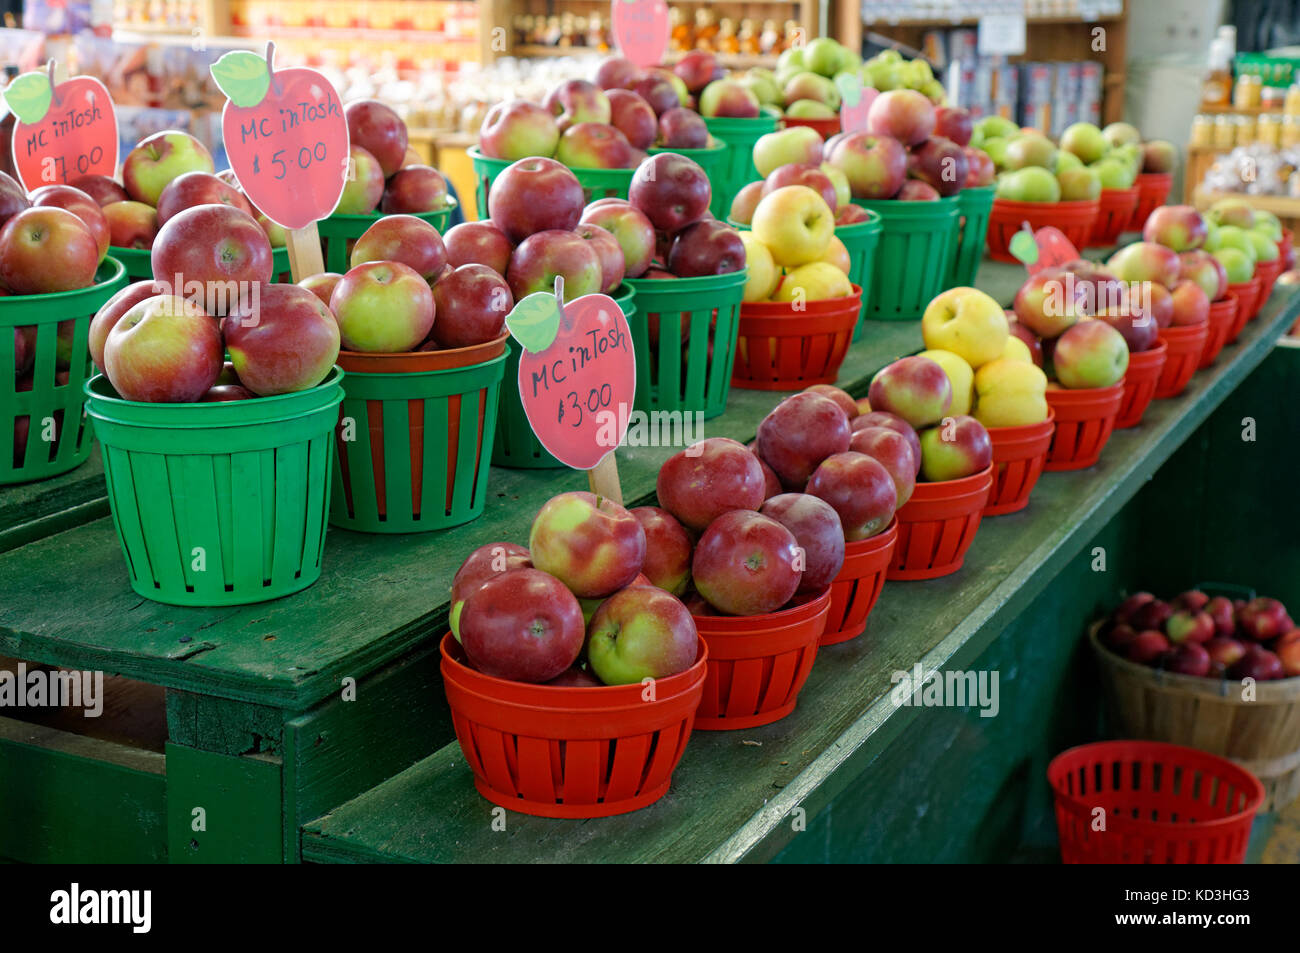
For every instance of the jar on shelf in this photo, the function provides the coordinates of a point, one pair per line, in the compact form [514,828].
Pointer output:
[1291,105]
[1225,135]
[706,29]
[1268,129]
[749,44]
[1290,131]
[728,42]
[1202,131]
[1248,93]
[680,35]
[769,41]
[1244,134]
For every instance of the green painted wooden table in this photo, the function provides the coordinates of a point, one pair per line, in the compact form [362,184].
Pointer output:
[29,511]
[768,793]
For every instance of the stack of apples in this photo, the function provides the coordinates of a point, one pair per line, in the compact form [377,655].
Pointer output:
[911,151]
[385,173]
[993,373]
[796,156]
[792,251]
[1088,159]
[802,85]
[591,601]
[1212,263]
[1194,634]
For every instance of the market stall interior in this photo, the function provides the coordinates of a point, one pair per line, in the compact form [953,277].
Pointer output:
[704,438]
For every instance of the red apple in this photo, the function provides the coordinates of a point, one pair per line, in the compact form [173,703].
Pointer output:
[696,68]
[671,190]
[1191,306]
[406,239]
[607,250]
[1150,615]
[375,127]
[1188,658]
[1288,653]
[1206,270]
[904,114]
[285,342]
[615,72]
[364,187]
[861,491]
[1148,646]
[478,243]
[535,195]
[1029,337]
[1262,619]
[79,204]
[131,224]
[979,168]
[746,564]
[517,129]
[940,163]
[914,388]
[383,307]
[591,544]
[956,448]
[874,165]
[706,247]
[522,625]
[484,563]
[212,254]
[575,678]
[1188,626]
[1225,650]
[668,548]
[799,174]
[541,257]
[746,201]
[818,531]
[110,314]
[414,190]
[798,434]
[631,229]
[164,350]
[101,188]
[322,285]
[595,145]
[881,418]
[850,215]
[224,393]
[914,190]
[45,250]
[472,304]
[954,123]
[160,158]
[840,397]
[1221,611]
[657,92]
[709,478]
[198,188]
[575,101]
[682,128]
[640,633]
[1257,663]
[632,116]
[891,450]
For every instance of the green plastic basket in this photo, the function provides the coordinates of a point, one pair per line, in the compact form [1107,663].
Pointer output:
[140,267]
[740,136]
[596,183]
[913,256]
[973,207]
[414,443]
[41,407]
[516,446]
[713,161]
[861,239]
[691,375]
[338,232]
[223,503]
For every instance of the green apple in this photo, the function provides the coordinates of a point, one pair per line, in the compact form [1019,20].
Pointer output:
[882,76]
[996,149]
[843,194]
[1122,134]
[1030,149]
[798,144]
[1031,184]
[762,83]
[934,91]
[1084,140]
[1232,212]
[1079,185]
[1265,247]
[810,109]
[1267,223]
[792,60]
[1238,265]
[1067,160]
[641,632]
[997,126]
[809,85]
[823,55]
[1231,236]
[1115,174]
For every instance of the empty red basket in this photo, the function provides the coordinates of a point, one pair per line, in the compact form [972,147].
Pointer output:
[1163,804]
[758,663]
[570,752]
[1185,347]
[1222,315]
[1074,219]
[1018,457]
[1248,298]
[938,524]
[1114,209]
[824,127]
[857,587]
[1153,188]
[1084,421]
[1140,382]
[790,346]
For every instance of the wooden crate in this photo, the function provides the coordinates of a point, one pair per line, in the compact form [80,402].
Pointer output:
[1262,735]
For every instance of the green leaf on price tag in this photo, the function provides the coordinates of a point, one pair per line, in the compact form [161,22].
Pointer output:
[850,87]
[1023,247]
[535,321]
[28,97]
[243,77]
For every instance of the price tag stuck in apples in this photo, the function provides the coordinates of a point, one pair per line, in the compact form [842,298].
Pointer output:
[286,136]
[855,102]
[640,30]
[1046,248]
[577,375]
[63,131]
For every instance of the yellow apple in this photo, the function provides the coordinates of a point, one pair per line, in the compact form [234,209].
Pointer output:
[967,322]
[815,281]
[837,254]
[795,224]
[763,273]
[1017,350]
[843,194]
[960,375]
[1009,393]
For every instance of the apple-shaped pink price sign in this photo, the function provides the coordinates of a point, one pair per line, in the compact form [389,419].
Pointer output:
[640,30]
[63,131]
[1046,248]
[577,375]
[855,102]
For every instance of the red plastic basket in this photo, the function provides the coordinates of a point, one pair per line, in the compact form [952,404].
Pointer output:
[1140,382]
[1084,421]
[1248,301]
[570,752]
[1163,803]
[780,347]
[1222,315]
[824,127]
[938,524]
[757,664]
[1114,209]
[1284,247]
[1074,219]
[1267,272]
[1185,347]
[1153,188]
[857,587]
[1018,457]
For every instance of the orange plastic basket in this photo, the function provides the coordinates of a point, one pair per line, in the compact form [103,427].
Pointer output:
[1084,421]
[1140,382]
[1018,457]
[824,127]
[1222,315]
[1185,347]
[1267,272]
[780,347]
[857,587]
[1163,803]
[1114,209]
[758,663]
[1074,219]
[1248,302]
[938,524]
[570,752]
[1153,188]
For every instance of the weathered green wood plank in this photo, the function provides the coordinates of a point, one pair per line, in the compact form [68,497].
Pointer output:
[29,511]
[378,597]
[733,801]
[46,776]
[233,800]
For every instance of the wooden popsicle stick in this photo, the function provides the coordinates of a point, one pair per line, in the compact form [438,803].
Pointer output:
[305,257]
[603,479]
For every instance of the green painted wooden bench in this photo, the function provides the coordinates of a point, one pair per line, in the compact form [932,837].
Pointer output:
[850,776]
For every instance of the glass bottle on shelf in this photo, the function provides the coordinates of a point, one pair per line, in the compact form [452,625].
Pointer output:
[749,43]
[1245,131]
[1291,105]
[1202,131]
[1216,89]
[1268,130]
[706,30]
[769,41]
[551,36]
[728,42]
[1247,93]
[596,34]
[1224,134]
[680,36]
